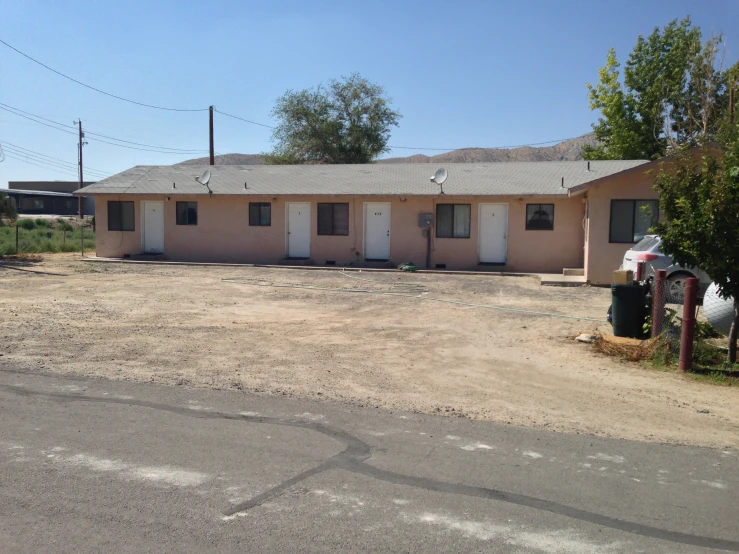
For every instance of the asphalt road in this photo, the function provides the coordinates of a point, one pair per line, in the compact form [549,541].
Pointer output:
[90,465]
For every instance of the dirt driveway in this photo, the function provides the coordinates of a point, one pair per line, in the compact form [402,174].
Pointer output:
[281,331]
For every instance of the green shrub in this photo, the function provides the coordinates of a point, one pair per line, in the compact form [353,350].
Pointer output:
[41,222]
[27,224]
[63,225]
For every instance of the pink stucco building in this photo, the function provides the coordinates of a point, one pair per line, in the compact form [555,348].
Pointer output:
[538,217]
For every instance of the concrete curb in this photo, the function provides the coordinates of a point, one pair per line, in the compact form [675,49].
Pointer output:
[310,268]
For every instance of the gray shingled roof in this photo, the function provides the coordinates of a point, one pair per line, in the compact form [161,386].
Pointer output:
[474,179]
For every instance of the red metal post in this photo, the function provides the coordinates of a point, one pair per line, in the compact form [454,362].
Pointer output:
[658,302]
[639,271]
[688,331]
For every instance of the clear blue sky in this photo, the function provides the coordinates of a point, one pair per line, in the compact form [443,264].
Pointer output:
[485,73]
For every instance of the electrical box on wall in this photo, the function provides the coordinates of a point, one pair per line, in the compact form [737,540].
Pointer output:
[425,220]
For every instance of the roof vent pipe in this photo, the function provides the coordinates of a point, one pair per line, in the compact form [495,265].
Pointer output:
[563,182]
[174,185]
[588,166]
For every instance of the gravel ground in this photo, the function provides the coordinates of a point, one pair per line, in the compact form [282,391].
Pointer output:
[287,332]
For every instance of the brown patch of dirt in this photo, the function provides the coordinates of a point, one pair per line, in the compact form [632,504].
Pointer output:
[282,331]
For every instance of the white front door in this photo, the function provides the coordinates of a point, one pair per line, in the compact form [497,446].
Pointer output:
[493,241]
[298,230]
[152,227]
[377,231]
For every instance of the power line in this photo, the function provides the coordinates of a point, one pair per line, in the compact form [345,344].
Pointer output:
[180,153]
[480,147]
[64,128]
[183,150]
[41,122]
[56,165]
[32,157]
[9,155]
[97,89]
[33,152]
[244,120]
[420,147]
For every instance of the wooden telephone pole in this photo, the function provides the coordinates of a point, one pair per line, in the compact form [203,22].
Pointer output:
[79,146]
[212,151]
[82,180]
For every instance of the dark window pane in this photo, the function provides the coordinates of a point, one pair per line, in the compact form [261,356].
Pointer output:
[265,214]
[461,221]
[260,214]
[333,218]
[181,213]
[445,220]
[187,213]
[539,217]
[325,219]
[120,216]
[127,219]
[114,216]
[192,213]
[341,219]
[622,221]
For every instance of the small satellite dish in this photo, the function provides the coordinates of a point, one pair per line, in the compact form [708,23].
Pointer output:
[440,176]
[204,178]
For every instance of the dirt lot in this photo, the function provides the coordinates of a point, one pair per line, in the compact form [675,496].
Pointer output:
[281,331]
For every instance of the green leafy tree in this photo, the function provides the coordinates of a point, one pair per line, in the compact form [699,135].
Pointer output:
[347,122]
[673,93]
[700,202]
[7,209]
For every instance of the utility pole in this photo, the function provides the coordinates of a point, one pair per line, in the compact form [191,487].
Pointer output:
[212,151]
[82,200]
[79,160]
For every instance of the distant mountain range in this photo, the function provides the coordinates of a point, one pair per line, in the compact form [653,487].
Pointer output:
[564,151]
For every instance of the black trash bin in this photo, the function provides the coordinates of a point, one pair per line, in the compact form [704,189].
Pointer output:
[628,310]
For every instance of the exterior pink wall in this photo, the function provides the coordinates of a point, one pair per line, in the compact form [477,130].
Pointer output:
[115,243]
[604,257]
[223,233]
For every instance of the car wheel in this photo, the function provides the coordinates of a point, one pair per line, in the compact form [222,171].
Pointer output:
[675,288]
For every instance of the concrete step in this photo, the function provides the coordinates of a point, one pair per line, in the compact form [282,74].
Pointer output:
[557,280]
[380,264]
[297,261]
[148,257]
[574,271]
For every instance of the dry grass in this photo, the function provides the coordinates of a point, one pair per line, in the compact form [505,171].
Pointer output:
[630,352]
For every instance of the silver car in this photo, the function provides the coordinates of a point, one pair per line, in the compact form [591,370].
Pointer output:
[648,251]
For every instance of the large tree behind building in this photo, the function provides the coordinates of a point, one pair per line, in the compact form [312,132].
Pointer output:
[347,122]
[699,198]
[673,92]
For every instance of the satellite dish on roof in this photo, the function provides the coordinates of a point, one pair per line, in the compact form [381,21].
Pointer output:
[439,178]
[204,179]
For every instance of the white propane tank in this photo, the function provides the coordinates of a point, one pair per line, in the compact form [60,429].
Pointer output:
[719,311]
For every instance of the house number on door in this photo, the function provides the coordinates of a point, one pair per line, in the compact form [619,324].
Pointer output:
[378,213]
